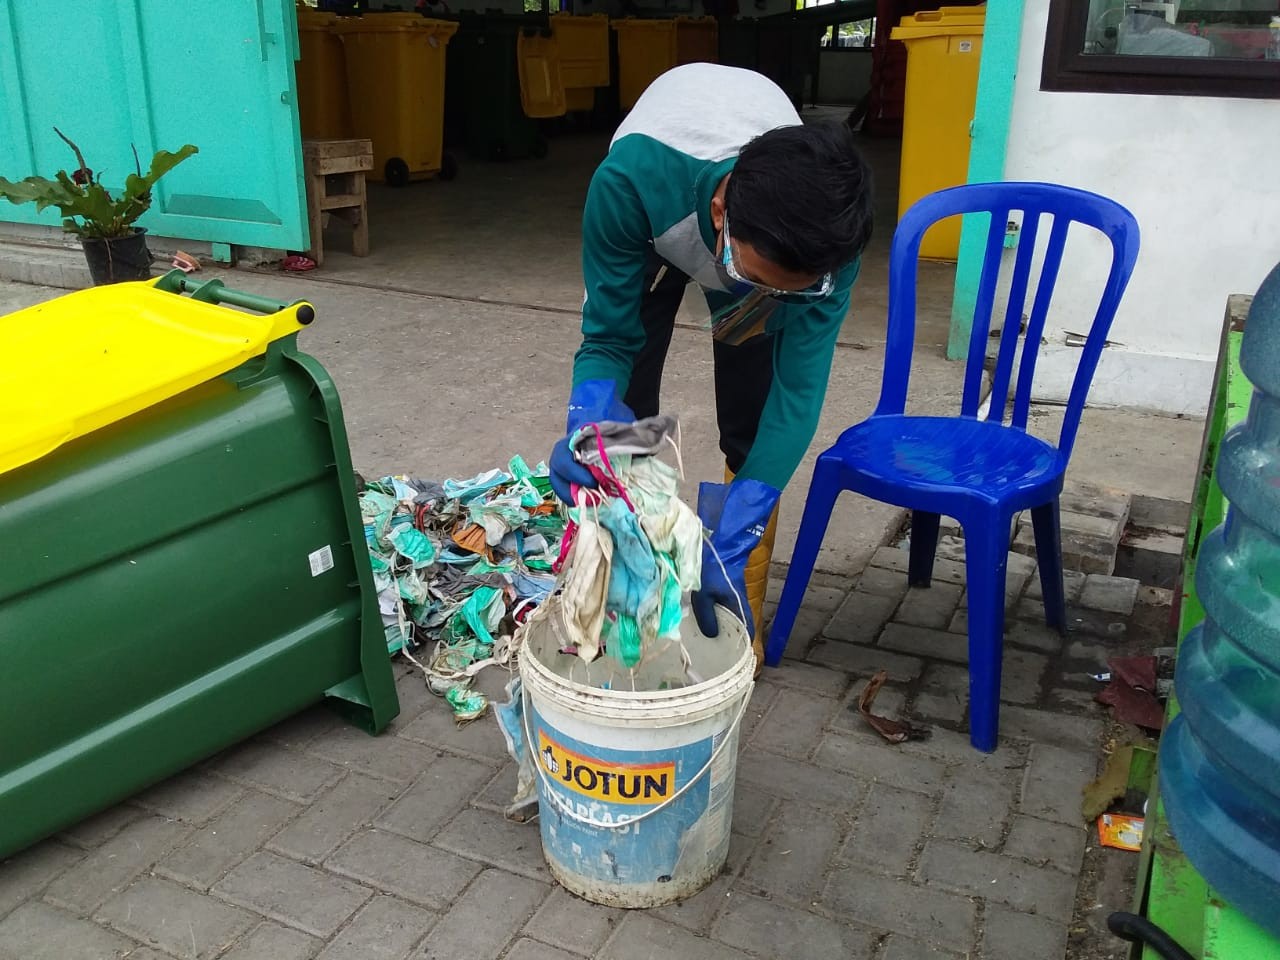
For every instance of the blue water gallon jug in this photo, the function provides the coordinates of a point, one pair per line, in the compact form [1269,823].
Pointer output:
[1220,758]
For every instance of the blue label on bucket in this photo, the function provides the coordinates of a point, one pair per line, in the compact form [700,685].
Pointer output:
[616,786]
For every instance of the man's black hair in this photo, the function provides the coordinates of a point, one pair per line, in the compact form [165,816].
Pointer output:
[801,196]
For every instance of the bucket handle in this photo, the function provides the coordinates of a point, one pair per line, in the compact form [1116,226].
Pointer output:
[591,821]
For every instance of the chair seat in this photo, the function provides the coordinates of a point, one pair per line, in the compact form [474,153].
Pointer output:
[949,455]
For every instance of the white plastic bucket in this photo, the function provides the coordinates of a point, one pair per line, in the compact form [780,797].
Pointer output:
[635,789]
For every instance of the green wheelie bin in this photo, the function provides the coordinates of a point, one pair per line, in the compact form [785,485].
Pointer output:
[483,90]
[184,554]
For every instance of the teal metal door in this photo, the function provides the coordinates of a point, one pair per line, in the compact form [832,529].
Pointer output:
[156,74]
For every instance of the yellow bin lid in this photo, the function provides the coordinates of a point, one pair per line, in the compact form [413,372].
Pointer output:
[309,19]
[393,23]
[85,360]
[941,22]
[637,23]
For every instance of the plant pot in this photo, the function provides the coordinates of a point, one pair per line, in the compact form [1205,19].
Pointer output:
[118,259]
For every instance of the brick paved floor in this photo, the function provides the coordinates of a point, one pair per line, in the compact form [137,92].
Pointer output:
[314,840]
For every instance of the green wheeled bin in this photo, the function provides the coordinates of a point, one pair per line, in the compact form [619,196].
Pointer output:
[483,91]
[787,53]
[738,42]
[184,554]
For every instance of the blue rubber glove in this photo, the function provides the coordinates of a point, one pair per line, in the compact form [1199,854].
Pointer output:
[592,401]
[736,514]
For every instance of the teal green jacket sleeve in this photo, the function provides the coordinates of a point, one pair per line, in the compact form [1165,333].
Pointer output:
[615,240]
[803,350]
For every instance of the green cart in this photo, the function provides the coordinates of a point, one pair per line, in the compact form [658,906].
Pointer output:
[184,556]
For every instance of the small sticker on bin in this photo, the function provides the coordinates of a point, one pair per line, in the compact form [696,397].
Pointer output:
[321,560]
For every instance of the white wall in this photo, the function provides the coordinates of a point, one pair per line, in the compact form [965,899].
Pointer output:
[1202,176]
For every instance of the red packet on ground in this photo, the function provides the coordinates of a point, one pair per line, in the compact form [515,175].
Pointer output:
[1121,831]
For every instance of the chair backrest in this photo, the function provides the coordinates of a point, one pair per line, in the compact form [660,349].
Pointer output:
[1064,205]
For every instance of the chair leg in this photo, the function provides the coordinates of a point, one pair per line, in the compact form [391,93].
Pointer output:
[813,528]
[1045,522]
[986,561]
[924,546]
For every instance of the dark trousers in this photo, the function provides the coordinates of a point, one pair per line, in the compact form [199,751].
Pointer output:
[743,373]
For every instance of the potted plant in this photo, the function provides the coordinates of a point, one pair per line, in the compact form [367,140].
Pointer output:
[114,248]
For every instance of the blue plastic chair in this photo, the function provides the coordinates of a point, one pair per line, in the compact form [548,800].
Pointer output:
[977,470]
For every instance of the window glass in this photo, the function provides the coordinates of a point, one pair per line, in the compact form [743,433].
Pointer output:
[1230,29]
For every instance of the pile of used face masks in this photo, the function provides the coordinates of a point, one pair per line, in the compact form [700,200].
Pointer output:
[459,565]
[633,548]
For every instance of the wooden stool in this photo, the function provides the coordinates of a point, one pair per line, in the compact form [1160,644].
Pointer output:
[335,185]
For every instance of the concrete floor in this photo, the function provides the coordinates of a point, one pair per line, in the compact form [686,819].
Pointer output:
[312,841]
[509,233]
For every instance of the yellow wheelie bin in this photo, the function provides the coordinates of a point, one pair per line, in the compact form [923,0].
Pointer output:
[944,49]
[542,91]
[579,99]
[697,40]
[395,77]
[584,56]
[323,108]
[646,50]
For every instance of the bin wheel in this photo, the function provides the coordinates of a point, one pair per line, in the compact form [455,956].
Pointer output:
[448,167]
[540,147]
[396,172]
